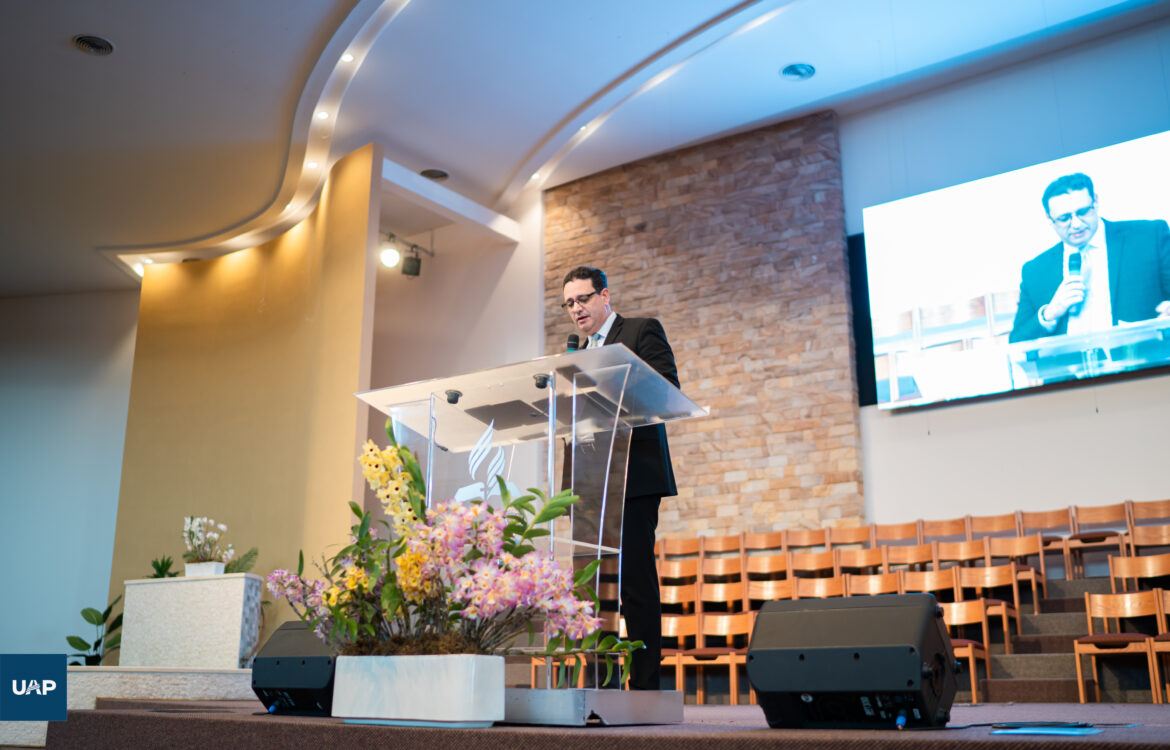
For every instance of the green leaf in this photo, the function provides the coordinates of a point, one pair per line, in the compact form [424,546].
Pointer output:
[591,640]
[112,642]
[608,670]
[586,574]
[78,643]
[243,563]
[364,528]
[92,616]
[117,623]
[537,533]
[579,665]
[357,511]
[390,432]
[607,642]
[300,563]
[109,609]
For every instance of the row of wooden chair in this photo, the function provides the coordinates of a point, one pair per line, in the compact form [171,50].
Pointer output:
[1109,640]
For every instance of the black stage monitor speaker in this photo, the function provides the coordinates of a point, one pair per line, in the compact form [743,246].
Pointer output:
[293,673]
[865,662]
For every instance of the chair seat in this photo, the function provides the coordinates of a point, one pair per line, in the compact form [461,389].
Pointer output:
[1112,640]
[1090,537]
[1162,637]
[966,642]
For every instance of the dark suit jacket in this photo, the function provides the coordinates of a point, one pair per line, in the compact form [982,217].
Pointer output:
[1139,277]
[649,470]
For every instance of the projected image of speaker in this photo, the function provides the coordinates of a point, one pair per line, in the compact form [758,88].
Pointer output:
[293,672]
[865,662]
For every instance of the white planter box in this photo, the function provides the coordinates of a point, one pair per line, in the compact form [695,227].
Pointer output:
[208,623]
[464,690]
[193,570]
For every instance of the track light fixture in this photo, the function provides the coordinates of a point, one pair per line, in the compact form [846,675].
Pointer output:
[394,250]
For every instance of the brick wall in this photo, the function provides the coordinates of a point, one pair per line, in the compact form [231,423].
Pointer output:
[738,247]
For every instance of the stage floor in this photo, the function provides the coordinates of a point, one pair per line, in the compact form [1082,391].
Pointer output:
[202,724]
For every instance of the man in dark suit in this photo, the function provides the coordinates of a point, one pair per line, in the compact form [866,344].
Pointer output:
[649,477]
[1095,277]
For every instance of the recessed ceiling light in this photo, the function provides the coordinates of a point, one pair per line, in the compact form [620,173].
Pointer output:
[433,173]
[347,57]
[312,165]
[536,175]
[798,72]
[148,261]
[322,115]
[93,45]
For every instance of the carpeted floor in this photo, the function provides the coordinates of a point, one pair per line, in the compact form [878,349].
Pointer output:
[195,724]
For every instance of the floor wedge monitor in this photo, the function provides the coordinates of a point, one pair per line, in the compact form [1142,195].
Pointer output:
[867,662]
[293,672]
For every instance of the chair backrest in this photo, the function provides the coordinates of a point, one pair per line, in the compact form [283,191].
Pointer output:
[721,569]
[721,546]
[1148,536]
[679,571]
[970,612]
[732,627]
[768,591]
[896,533]
[722,597]
[931,582]
[1003,524]
[1047,522]
[1137,568]
[917,556]
[850,535]
[818,588]
[1143,512]
[767,542]
[1105,518]
[679,598]
[964,553]
[763,567]
[683,629]
[683,547]
[804,539]
[944,530]
[1017,549]
[865,561]
[1111,608]
[984,579]
[872,585]
[811,563]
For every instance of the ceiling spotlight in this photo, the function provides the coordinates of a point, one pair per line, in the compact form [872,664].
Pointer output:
[322,115]
[798,72]
[389,254]
[312,165]
[536,175]
[347,57]
[93,45]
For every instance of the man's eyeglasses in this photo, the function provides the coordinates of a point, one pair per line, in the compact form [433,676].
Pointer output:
[1080,213]
[580,299]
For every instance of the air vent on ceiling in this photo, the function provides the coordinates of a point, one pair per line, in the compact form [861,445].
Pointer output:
[94,45]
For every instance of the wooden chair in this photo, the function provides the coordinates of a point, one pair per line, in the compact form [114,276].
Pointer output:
[1018,549]
[1054,526]
[847,536]
[961,554]
[864,561]
[805,539]
[766,567]
[1137,569]
[682,548]
[762,592]
[1145,537]
[818,588]
[984,581]
[727,596]
[721,546]
[872,585]
[1003,524]
[1161,643]
[734,630]
[913,557]
[806,564]
[1104,642]
[944,584]
[896,533]
[958,614]
[1096,527]
[945,530]
[721,569]
[679,633]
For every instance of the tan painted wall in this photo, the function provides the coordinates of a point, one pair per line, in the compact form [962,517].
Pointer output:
[241,401]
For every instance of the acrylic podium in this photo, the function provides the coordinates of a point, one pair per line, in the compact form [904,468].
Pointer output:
[550,423]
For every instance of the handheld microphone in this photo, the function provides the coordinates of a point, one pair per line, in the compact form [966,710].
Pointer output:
[574,342]
[1074,270]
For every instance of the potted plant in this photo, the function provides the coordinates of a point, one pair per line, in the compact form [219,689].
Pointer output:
[106,640]
[425,606]
[204,555]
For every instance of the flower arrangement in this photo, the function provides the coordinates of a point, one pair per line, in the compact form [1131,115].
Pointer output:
[455,578]
[202,535]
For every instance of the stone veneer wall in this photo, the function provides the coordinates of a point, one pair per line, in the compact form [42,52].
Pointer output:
[738,247]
